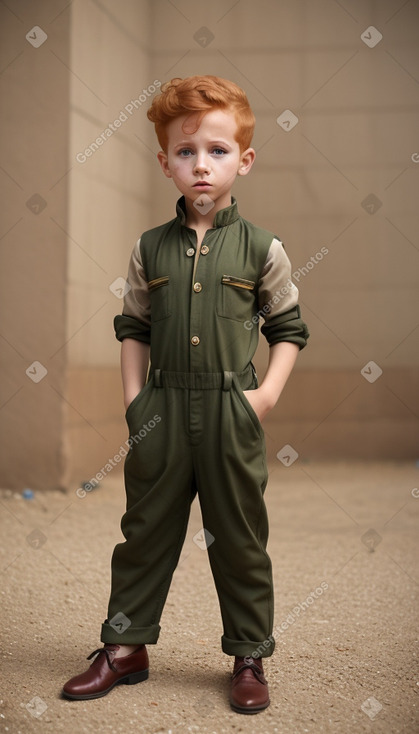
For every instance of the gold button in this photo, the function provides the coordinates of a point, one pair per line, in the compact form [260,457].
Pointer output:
[190,252]
[195,340]
[204,250]
[197,287]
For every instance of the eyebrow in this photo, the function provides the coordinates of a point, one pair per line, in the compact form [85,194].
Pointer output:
[211,142]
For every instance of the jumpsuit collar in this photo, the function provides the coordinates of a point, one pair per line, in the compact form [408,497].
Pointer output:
[222,218]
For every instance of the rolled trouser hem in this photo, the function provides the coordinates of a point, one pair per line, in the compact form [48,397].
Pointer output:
[254,649]
[130,636]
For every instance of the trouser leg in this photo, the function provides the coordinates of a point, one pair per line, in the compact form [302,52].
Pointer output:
[231,477]
[159,487]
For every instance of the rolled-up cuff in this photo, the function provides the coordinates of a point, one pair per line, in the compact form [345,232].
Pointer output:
[131,635]
[127,327]
[253,649]
[286,327]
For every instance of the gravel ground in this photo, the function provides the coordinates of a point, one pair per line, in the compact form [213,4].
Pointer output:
[346,655]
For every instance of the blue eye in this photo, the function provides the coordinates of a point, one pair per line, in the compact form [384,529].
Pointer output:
[185,152]
[219,151]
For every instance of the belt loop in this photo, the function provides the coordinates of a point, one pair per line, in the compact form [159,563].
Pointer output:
[228,378]
[157,378]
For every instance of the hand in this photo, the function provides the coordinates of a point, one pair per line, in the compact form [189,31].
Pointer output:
[129,397]
[260,403]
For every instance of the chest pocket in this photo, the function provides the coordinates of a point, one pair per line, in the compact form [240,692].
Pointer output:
[159,298]
[236,298]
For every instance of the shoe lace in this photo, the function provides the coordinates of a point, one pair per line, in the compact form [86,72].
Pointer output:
[106,651]
[248,665]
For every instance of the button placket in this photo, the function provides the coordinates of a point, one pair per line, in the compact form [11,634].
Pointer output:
[197,313]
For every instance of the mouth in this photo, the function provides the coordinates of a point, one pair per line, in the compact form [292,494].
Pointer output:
[202,184]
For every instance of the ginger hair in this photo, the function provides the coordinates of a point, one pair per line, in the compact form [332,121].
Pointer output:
[201,94]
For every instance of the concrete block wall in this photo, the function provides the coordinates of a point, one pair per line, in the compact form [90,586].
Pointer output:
[343,178]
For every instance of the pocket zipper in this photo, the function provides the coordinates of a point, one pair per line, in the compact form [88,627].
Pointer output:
[238,282]
[157,282]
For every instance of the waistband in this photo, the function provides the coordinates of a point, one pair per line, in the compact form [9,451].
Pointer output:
[200,380]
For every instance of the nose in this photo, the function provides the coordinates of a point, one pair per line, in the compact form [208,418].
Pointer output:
[201,163]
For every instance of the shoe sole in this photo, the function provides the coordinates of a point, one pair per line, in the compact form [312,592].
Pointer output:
[128,680]
[245,710]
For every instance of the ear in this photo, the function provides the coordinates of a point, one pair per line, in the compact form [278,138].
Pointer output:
[163,160]
[247,159]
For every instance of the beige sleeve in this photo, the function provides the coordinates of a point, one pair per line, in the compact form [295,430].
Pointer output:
[276,291]
[137,300]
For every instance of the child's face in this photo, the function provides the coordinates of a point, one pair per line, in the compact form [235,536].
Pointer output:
[207,160]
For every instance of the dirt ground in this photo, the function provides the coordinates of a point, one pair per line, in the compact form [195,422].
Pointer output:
[343,541]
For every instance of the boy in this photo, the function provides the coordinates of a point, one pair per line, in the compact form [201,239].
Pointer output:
[197,287]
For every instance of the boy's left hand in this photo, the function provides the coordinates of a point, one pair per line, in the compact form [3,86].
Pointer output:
[259,402]
[282,357]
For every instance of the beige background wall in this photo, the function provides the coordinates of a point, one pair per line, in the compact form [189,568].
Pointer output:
[35,101]
[357,110]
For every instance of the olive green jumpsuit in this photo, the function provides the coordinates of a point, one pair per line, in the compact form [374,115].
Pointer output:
[192,429]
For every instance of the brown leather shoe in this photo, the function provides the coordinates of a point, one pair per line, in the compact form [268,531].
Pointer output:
[106,672]
[249,688]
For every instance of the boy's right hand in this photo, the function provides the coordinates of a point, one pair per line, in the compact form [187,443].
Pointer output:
[134,366]
[129,395]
